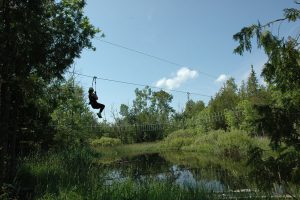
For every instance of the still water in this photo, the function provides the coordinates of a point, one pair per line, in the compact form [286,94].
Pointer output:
[187,170]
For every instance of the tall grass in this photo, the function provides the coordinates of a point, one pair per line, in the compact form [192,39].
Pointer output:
[57,171]
[131,190]
[74,174]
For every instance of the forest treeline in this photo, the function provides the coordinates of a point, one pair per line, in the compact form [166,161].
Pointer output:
[40,109]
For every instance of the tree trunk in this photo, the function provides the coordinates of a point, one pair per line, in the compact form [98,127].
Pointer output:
[5,133]
[2,138]
[7,124]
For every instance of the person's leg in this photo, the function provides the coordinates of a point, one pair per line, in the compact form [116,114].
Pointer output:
[102,106]
[99,106]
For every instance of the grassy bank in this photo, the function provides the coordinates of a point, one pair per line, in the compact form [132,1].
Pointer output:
[117,152]
[233,145]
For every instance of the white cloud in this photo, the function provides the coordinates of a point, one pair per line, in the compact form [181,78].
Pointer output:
[182,75]
[221,78]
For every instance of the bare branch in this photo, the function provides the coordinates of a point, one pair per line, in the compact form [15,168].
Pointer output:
[273,22]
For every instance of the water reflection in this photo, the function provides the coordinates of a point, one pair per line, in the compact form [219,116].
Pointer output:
[209,175]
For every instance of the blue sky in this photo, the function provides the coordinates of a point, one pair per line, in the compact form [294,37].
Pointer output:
[196,34]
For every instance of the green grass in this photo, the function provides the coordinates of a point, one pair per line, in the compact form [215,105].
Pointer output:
[130,190]
[49,173]
[233,145]
[115,153]
[105,142]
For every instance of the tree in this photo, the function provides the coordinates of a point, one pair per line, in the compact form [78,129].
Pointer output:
[160,104]
[148,107]
[281,117]
[72,116]
[141,105]
[193,108]
[252,84]
[40,40]
[191,112]
[281,71]
[226,98]
[249,118]
[242,91]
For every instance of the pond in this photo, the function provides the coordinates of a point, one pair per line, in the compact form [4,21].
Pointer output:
[185,169]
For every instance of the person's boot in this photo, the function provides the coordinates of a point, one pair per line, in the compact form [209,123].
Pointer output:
[99,115]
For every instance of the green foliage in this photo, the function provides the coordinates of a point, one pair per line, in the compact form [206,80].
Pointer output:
[72,115]
[105,142]
[42,38]
[179,139]
[252,84]
[234,144]
[203,124]
[55,170]
[232,119]
[8,192]
[278,169]
[192,108]
[249,118]
[148,107]
[280,117]
[226,98]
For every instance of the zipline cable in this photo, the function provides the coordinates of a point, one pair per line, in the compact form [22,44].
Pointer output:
[151,56]
[140,85]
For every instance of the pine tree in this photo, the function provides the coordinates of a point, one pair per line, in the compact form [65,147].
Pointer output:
[252,84]
[243,91]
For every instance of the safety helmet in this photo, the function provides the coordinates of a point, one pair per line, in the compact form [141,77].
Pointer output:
[91,89]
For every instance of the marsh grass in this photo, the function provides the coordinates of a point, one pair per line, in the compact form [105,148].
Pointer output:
[74,174]
[149,190]
[57,170]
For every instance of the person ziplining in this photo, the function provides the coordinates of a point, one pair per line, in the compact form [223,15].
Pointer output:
[93,99]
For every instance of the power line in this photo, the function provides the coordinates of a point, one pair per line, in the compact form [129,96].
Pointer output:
[137,84]
[151,56]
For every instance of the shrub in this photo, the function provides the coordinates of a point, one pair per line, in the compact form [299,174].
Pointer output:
[234,144]
[179,139]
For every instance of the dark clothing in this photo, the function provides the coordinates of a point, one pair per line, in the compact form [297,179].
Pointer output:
[93,98]
[93,101]
[97,105]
